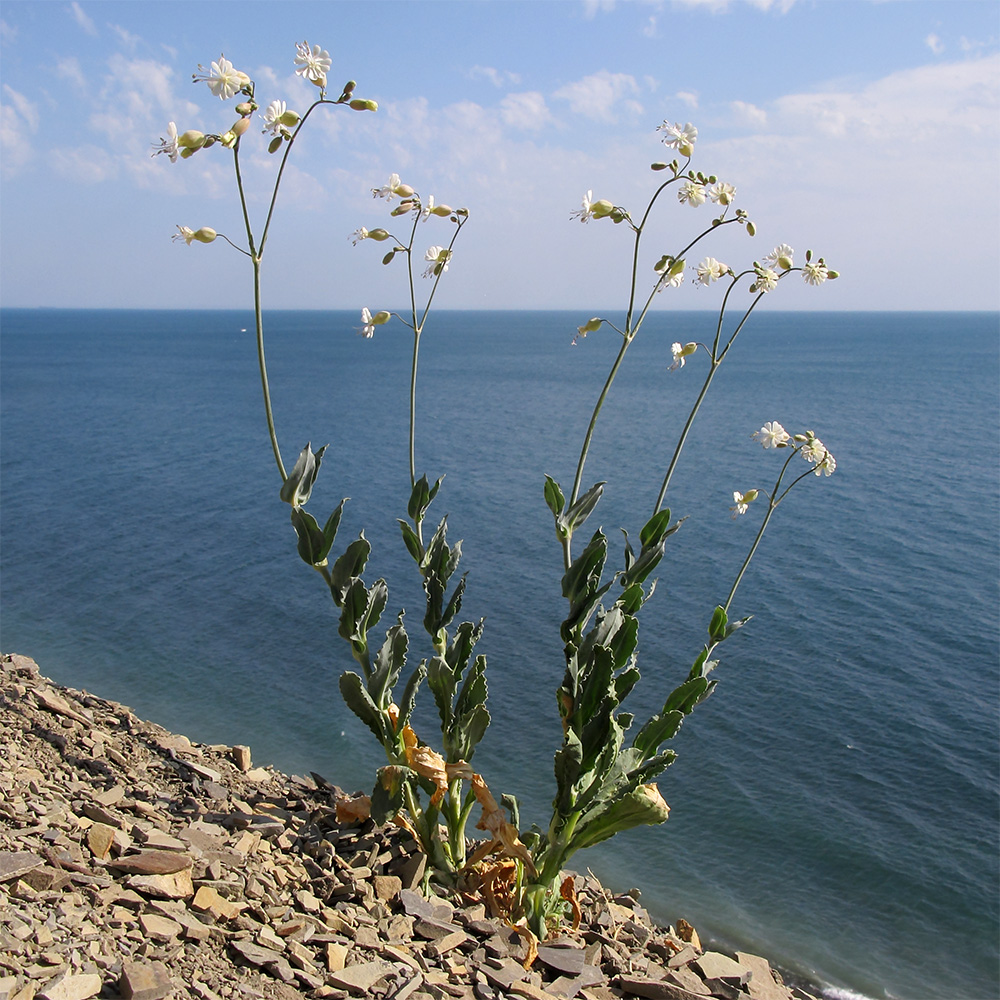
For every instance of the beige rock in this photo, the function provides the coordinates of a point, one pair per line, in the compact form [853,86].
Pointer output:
[158,927]
[14,864]
[152,862]
[241,757]
[144,981]
[71,987]
[100,837]
[175,886]
[209,900]
[336,955]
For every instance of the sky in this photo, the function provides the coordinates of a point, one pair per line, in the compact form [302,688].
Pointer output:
[866,131]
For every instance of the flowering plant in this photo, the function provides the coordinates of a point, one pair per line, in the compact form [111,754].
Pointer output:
[604,780]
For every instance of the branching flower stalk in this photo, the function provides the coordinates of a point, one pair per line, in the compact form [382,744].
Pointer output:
[604,783]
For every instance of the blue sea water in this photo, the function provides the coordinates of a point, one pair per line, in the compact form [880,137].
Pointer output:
[834,804]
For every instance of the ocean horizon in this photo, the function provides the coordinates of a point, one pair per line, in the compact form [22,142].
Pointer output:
[835,803]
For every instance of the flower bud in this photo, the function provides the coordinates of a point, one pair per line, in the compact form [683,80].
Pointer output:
[379,235]
[358,104]
[750,496]
[381,317]
[685,149]
[185,153]
[349,87]
[687,350]
[658,166]
[833,274]
[274,145]
[205,234]
[209,141]
[191,139]
[241,126]
[601,209]
[590,326]
[245,108]
[676,268]
[289,119]
[403,191]
[751,229]
[785,262]
[229,139]
[441,210]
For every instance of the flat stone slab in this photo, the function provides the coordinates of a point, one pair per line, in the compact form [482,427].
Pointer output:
[144,981]
[569,961]
[715,965]
[256,954]
[71,987]
[152,863]
[654,989]
[361,978]
[762,985]
[14,864]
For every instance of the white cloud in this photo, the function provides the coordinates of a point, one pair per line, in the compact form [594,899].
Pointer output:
[69,69]
[497,77]
[601,95]
[84,165]
[81,18]
[934,44]
[721,6]
[8,32]
[591,7]
[126,37]
[649,28]
[526,111]
[18,119]
[686,97]
[748,114]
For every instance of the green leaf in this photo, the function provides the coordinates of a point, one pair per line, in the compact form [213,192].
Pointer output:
[298,486]
[568,760]
[581,510]
[387,795]
[657,730]
[684,697]
[420,498]
[310,536]
[349,566]
[389,663]
[410,696]
[411,540]
[655,528]
[554,498]
[359,701]
[717,627]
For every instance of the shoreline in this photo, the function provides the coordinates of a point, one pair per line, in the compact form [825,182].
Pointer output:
[135,863]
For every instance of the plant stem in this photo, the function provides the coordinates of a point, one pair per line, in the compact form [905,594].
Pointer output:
[261,363]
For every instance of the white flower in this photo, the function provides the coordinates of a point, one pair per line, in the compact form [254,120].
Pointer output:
[425,211]
[438,258]
[184,233]
[815,273]
[671,280]
[223,81]
[692,194]
[816,452]
[358,235]
[743,501]
[393,189]
[368,330]
[681,139]
[272,117]
[312,64]
[722,193]
[767,280]
[772,435]
[680,352]
[781,256]
[168,145]
[710,270]
[592,209]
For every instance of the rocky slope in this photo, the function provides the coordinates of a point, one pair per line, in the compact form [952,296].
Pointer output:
[136,864]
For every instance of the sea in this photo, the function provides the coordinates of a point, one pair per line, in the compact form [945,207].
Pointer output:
[834,804]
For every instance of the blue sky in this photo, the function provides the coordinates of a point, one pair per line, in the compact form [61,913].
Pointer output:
[866,131]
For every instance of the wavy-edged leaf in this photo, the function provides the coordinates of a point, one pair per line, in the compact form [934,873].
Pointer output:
[359,701]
